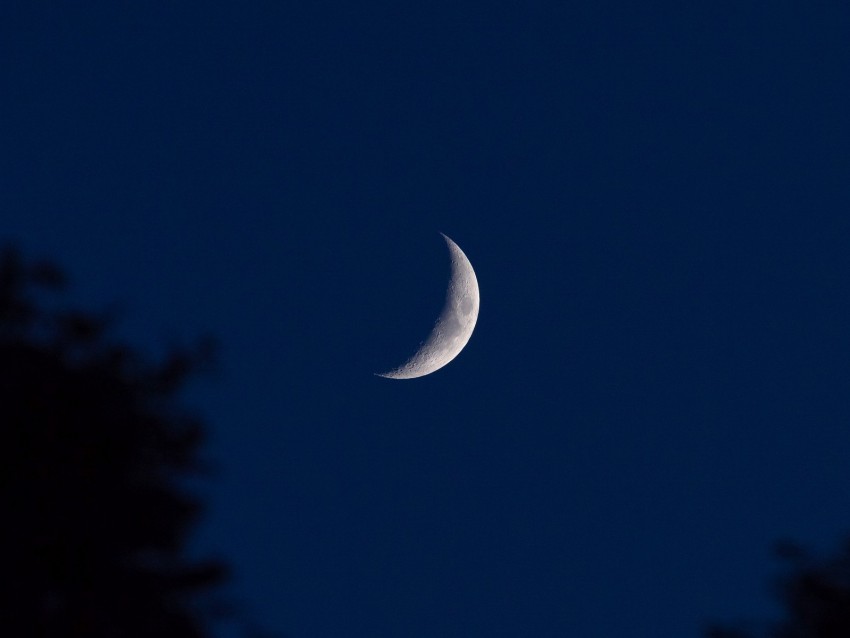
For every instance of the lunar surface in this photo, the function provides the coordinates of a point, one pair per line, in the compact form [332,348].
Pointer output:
[454,325]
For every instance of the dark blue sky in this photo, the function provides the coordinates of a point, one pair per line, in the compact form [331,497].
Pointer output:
[656,201]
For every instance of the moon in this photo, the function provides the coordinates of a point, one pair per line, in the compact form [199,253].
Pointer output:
[454,326]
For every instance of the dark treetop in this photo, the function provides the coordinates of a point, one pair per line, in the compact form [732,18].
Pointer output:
[93,444]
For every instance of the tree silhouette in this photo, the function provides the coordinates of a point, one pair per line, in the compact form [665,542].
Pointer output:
[93,444]
[815,592]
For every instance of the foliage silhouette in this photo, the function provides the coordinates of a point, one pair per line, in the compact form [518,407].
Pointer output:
[815,592]
[93,444]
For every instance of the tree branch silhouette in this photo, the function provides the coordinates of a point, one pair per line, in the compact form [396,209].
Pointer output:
[93,442]
[815,592]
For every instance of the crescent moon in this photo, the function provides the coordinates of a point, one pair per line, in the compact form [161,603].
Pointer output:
[454,326]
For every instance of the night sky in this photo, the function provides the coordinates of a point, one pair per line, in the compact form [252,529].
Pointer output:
[655,199]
